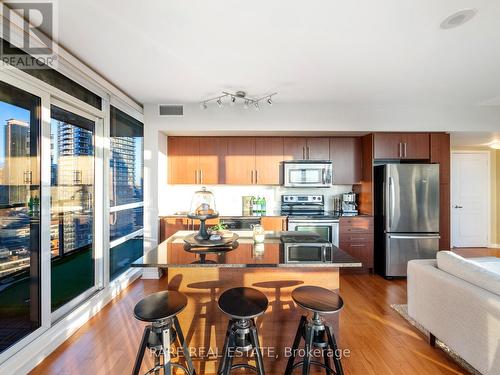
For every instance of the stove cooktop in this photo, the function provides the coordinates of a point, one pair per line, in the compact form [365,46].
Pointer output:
[332,215]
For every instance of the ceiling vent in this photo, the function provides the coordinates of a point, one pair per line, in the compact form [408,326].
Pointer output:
[171,110]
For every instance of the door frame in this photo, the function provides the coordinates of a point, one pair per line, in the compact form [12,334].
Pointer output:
[488,189]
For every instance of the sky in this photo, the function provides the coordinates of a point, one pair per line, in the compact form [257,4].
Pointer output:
[8,111]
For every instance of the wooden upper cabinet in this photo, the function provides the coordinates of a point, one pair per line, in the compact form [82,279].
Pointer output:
[183,160]
[268,156]
[408,146]
[196,160]
[211,165]
[294,148]
[387,146]
[240,161]
[416,146]
[346,156]
[318,149]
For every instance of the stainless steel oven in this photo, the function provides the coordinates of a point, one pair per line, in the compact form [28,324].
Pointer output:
[307,252]
[307,173]
[328,229]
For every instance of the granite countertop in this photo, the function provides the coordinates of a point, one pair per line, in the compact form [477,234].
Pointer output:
[171,253]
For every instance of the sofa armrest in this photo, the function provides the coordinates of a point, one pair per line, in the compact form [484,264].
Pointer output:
[465,317]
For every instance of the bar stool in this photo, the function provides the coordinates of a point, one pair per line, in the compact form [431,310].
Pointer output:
[314,331]
[161,309]
[242,305]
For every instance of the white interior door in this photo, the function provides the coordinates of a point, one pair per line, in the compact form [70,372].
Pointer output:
[470,199]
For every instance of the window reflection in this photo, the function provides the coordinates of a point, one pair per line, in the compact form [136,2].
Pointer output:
[72,205]
[19,215]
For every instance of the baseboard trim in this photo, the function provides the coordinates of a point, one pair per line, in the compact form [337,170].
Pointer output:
[35,352]
[495,245]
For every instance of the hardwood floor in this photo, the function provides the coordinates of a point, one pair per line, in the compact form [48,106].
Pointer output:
[379,340]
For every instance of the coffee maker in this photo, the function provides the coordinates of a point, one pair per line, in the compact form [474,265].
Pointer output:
[349,205]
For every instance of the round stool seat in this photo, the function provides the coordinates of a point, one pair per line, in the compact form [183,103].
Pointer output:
[159,306]
[317,299]
[243,303]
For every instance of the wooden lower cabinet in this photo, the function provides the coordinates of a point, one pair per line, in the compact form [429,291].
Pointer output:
[356,238]
[169,225]
[276,223]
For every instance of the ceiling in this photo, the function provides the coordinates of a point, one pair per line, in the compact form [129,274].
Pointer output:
[360,51]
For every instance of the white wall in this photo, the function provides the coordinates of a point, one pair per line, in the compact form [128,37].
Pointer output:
[308,118]
[228,197]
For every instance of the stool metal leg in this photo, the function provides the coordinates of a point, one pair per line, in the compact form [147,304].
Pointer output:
[225,349]
[295,346]
[166,351]
[333,345]
[327,361]
[308,347]
[229,362]
[254,337]
[142,349]
[185,350]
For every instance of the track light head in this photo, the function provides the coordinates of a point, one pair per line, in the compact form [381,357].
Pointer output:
[203,105]
[219,103]
[270,101]
[233,99]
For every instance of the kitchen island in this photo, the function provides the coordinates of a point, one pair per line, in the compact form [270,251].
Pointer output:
[260,266]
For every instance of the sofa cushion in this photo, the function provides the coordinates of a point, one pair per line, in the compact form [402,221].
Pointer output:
[482,274]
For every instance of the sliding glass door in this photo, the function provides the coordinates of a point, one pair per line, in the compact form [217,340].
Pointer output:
[73,257]
[20,280]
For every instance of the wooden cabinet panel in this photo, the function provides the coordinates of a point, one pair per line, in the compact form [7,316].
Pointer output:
[346,156]
[444,217]
[240,161]
[268,155]
[318,149]
[440,153]
[294,148]
[415,146]
[171,224]
[183,160]
[212,151]
[387,145]
[276,223]
[356,238]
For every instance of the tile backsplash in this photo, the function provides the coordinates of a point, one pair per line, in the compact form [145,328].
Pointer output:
[173,198]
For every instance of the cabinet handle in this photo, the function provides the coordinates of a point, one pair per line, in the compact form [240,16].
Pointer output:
[256,177]
[303,153]
[196,176]
[400,150]
[308,153]
[356,245]
[252,177]
[405,149]
[201,176]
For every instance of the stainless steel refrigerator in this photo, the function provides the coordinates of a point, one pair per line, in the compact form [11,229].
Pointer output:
[406,215]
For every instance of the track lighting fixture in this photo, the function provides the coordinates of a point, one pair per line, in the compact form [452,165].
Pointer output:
[239,95]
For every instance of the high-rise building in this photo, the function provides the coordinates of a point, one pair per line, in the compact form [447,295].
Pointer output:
[123,177]
[75,180]
[16,170]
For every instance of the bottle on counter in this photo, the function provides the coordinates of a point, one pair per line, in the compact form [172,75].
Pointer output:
[255,209]
[263,205]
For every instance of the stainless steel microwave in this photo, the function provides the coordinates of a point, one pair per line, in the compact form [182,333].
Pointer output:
[308,252]
[307,173]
